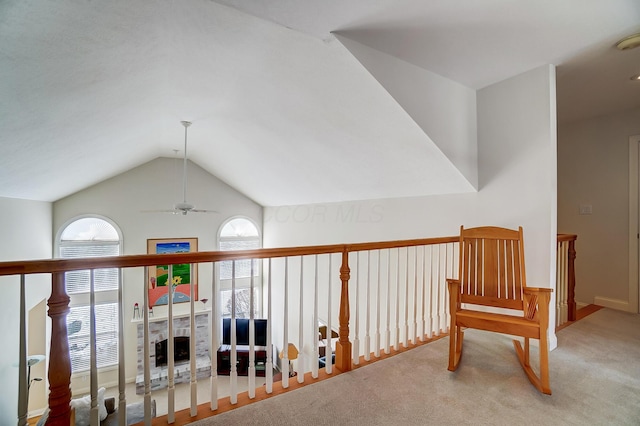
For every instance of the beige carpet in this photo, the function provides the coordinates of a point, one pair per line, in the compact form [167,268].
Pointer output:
[595,379]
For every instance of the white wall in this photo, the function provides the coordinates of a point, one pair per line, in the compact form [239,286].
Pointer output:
[593,169]
[155,185]
[26,229]
[445,109]
[517,177]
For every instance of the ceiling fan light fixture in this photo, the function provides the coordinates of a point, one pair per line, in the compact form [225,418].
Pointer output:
[629,42]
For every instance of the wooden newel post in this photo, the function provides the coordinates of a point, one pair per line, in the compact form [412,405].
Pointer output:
[343,346]
[59,361]
[571,294]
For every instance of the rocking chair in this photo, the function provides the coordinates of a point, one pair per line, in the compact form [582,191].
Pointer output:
[492,273]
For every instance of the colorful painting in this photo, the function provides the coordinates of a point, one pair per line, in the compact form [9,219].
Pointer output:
[182,275]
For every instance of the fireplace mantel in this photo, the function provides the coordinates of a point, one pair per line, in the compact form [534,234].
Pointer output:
[163,317]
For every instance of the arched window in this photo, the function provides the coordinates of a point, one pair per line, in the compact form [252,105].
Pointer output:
[239,234]
[91,237]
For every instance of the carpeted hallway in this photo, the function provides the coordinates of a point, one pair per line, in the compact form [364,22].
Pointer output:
[595,379]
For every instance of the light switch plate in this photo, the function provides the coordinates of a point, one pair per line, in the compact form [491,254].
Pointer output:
[586,209]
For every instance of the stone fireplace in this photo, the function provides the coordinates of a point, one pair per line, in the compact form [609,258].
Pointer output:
[158,347]
[180,351]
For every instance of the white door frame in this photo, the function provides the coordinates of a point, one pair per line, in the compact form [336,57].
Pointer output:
[634,226]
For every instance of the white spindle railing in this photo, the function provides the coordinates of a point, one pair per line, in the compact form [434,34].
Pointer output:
[398,289]
[403,294]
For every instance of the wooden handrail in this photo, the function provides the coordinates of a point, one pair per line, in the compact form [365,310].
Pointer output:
[128,261]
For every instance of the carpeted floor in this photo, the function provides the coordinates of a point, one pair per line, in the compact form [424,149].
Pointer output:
[595,379]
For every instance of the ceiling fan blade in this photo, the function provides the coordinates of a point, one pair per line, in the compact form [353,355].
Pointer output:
[204,211]
[161,211]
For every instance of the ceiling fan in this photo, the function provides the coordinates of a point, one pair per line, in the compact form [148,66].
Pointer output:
[184,207]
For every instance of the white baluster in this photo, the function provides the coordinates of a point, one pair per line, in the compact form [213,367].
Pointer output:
[146,357]
[563,257]
[269,363]
[192,343]
[450,254]
[367,325]
[285,346]
[415,333]
[405,340]
[396,342]
[215,343]
[387,340]
[425,331]
[328,353]
[433,296]
[316,349]
[93,364]
[23,385]
[559,285]
[252,349]
[379,285]
[122,399]
[300,325]
[440,308]
[171,387]
[356,341]
[233,385]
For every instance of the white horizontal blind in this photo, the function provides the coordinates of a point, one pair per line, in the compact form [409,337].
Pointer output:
[78,281]
[243,267]
[239,234]
[106,336]
[84,238]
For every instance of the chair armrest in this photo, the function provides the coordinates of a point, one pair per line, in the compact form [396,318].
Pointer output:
[454,294]
[537,290]
[537,301]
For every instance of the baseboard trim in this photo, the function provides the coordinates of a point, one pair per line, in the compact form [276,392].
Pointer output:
[620,305]
[580,305]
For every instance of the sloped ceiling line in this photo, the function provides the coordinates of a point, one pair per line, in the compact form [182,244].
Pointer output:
[445,110]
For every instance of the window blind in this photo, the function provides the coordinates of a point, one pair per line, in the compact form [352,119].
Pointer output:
[85,238]
[78,281]
[243,267]
[78,329]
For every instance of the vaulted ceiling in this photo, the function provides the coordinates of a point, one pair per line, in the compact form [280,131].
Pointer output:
[281,109]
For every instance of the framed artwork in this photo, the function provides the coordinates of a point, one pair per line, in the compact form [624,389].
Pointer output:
[158,276]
